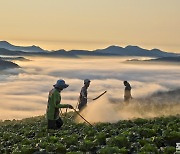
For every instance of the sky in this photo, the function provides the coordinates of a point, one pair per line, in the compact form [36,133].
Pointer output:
[91,24]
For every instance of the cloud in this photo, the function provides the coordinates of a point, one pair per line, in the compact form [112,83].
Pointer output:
[26,89]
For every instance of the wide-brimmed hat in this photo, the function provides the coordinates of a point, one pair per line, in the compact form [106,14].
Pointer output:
[87,81]
[61,84]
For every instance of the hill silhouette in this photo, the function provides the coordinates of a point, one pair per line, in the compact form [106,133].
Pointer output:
[8,46]
[7,64]
[162,59]
[135,51]
[8,49]
[14,59]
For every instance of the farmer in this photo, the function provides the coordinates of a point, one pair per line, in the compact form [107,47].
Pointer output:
[127,92]
[83,95]
[54,100]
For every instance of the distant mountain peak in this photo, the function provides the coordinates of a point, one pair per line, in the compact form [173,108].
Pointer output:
[132,47]
[35,47]
[113,46]
[5,43]
[8,46]
[155,49]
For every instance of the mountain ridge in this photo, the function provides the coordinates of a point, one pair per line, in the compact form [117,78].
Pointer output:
[113,50]
[9,46]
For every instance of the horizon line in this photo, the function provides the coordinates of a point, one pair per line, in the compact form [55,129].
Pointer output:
[110,45]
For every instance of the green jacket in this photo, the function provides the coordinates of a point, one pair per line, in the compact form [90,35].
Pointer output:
[53,106]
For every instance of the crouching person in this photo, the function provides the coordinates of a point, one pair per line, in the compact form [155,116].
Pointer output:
[54,100]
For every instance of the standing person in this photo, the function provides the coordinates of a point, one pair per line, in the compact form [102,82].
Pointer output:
[83,95]
[127,92]
[54,100]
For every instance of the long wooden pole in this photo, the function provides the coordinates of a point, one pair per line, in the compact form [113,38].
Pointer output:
[83,117]
[99,95]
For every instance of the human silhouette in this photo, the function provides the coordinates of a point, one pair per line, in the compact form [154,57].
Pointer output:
[54,100]
[83,95]
[127,92]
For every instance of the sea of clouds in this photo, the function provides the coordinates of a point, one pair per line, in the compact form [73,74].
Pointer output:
[24,91]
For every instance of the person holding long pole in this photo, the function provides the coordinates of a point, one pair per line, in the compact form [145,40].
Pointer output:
[54,100]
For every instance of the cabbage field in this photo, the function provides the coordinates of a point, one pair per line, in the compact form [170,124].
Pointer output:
[27,136]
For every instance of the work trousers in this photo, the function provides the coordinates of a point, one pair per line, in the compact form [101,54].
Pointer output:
[55,124]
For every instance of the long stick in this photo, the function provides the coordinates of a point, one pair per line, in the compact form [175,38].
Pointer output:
[99,95]
[83,117]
